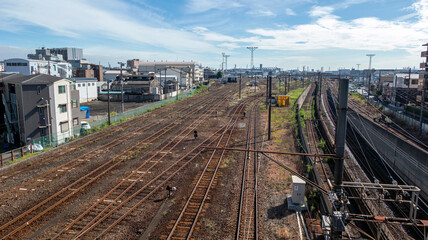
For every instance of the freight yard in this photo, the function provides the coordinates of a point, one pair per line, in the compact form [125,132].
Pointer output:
[207,166]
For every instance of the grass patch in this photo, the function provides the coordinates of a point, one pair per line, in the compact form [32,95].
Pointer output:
[358,97]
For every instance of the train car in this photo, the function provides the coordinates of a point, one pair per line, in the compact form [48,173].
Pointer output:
[232,79]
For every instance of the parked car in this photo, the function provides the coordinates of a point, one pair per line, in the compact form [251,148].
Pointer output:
[85,126]
[36,147]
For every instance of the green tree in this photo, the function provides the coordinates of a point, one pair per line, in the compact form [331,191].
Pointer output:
[219,74]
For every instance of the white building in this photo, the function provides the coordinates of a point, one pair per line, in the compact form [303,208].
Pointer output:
[183,77]
[1,66]
[88,88]
[401,80]
[32,67]
[192,68]
[61,107]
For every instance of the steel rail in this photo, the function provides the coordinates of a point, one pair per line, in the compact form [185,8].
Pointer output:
[121,158]
[244,169]
[98,136]
[197,185]
[187,131]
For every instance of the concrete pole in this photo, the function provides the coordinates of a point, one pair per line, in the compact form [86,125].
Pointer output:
[239,86]
[341,132]
[108,102]
[270,105]
[421,117]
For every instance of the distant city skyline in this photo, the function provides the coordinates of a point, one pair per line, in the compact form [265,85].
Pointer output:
[289,34]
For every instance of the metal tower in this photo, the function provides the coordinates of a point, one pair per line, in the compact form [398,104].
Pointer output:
[226,56]
[370,76]
[252,55]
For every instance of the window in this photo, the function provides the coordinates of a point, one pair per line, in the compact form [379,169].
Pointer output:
[78,85]
[41,111]
[414,81]
[61,89]
[74,103]
[75,121]
[64,126]
[39,89]
[62,108]
[93,84]
[42,131]
[83,84]
[54,67]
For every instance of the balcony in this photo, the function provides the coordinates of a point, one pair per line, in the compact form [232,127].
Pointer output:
[424,54]
[423,65]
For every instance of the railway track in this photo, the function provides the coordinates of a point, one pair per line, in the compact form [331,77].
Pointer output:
[186,222]
[373,174]
[83,159]
[40,210]
[85,141]
[247,221]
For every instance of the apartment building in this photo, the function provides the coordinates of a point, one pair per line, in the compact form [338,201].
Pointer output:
[31,67]
[40,107]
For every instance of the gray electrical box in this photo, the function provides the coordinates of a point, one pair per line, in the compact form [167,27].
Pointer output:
[298,196]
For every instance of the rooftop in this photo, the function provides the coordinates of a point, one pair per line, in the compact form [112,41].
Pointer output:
[30,79]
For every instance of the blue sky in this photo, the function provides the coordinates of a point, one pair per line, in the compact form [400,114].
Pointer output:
[289,34]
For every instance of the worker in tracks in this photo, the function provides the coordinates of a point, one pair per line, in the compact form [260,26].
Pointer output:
[388,121]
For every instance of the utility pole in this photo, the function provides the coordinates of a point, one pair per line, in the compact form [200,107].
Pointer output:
[239,86]
[320,89]
[270,104]
[338,226]
[341,131]
[421,117]
[121,83]
[285,84]
[108,102]
[358,69]
[370,76]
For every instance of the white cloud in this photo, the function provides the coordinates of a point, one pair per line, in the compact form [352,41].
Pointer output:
[329,31]
[318,11]
[262,13]
[229,45]
[94,19]
[290,12]
[217,37]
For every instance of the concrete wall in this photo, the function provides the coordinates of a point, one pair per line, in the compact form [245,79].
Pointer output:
[409,161]
[88,90]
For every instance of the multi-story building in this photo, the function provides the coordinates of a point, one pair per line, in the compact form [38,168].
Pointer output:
[84,69]
[191,68]
[31,67]
[87,87]
[399,88]
[40,108]
[57,54]
[133,65]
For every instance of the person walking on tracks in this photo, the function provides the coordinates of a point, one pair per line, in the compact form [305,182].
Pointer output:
[170,190]
[388,121]
[195,134]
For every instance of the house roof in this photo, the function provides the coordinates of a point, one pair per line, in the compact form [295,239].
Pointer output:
[83,79]
[30,79]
